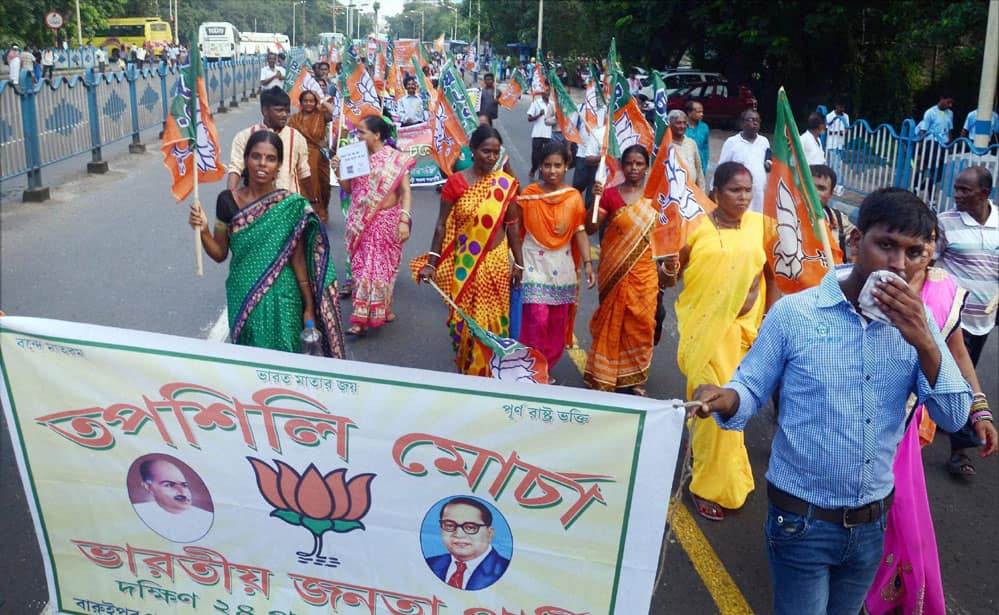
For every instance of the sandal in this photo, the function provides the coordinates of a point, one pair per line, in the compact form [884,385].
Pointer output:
[960,465]
[347,289]
[390,317]
[639,391]
[357,330]
[708,509]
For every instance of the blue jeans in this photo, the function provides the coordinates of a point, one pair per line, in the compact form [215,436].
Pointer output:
[819,567]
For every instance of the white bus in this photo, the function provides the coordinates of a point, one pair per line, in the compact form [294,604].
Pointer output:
[256,43]
[219,40]
[332,39]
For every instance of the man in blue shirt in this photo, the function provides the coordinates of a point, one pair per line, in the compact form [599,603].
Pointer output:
[844,379]
[936,125]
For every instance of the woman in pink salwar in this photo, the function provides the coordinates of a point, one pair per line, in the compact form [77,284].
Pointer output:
[378,223]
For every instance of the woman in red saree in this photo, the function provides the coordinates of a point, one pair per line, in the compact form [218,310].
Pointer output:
[378,223]
[469,255]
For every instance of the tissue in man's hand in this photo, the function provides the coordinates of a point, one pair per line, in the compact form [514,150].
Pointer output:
[868,307]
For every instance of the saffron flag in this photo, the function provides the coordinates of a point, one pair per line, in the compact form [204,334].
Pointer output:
[439,45]
[190,141]
[515,88]
[537,79]
[661,126]
[452,120]
[360,99]
[565,110]
[796,236]
[424,58]
[426,88]
[294,83]
[593,101]
[680,202]
[629,127]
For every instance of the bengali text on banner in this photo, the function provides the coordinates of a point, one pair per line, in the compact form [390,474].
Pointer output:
[169,475]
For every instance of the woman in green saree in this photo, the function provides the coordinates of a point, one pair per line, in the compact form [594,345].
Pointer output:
[280,276]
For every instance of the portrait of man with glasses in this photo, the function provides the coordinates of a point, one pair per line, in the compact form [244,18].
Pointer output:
[471,561]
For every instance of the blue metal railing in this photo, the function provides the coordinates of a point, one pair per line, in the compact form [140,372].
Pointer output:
[49,121]
[867,158]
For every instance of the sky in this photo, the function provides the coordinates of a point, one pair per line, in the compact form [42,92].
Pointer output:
[390,7]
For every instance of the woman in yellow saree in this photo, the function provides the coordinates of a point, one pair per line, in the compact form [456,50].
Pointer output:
[623,326]
[469,255]
[718,315]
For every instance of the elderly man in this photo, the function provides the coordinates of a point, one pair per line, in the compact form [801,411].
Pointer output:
[170,513]
[686,148]
[751,149]
[968,249]
[272,75]
[471,562]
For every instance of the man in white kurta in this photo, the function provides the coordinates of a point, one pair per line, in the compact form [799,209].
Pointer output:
[751,149]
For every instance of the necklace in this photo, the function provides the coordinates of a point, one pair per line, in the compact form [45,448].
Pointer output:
[724,225]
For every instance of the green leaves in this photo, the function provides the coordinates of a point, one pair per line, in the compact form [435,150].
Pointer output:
[318,527]
[347,526]
[288,516]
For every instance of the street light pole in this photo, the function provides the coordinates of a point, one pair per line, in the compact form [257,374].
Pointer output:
[541,18]
[79,27]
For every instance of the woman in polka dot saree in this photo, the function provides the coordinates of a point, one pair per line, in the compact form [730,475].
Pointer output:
[469,258]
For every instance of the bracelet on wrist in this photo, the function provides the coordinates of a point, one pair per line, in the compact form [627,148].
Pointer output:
[432,253]
[518,266]
[982,415]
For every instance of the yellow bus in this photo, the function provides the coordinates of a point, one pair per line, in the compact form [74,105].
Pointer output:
[134,31]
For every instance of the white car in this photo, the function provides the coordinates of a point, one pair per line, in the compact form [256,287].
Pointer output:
[679,78]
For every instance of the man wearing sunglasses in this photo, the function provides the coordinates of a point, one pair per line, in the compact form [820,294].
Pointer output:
[466,530]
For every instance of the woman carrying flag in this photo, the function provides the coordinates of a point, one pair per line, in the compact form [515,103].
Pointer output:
[476,229]
[378,223]
[280,276]
[718,314]
[553,220]
[623,326]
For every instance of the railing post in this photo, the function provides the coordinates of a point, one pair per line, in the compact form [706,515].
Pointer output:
[255,77]
[222,108]
[233,102]
[244,66]
[163,72]
[136,146]
[903,164]
[35,193]
[91,82]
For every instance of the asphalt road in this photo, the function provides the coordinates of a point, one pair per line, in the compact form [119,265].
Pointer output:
[116,250]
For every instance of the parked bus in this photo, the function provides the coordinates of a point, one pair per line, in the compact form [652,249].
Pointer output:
[219,40]
[134,32]
[332,39]
[256,43]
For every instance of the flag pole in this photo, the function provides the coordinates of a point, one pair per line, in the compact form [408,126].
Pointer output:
[602,169]
[824,236]
[198,248]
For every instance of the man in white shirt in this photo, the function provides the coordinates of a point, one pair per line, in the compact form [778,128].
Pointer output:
[410,107]
[101,58]
[14,62]
[140,57]
[588,159]
[686,148]
[541,115]
[837,124]
[272,75]
[48,63]
[170,513]
[751,149]
[811,140]
[295,171]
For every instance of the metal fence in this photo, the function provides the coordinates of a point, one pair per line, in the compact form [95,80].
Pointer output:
[870,158]
[51,121]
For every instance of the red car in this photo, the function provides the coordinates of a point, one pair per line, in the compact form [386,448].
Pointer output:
[722,103]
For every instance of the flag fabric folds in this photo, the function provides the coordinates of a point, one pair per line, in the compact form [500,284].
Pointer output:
[360,99]
[294,83]
[452,119]
[565,110]
[593,101]
[796,236]
[679,201]
[515,88]
[661,125]
[190,141]
[537,79]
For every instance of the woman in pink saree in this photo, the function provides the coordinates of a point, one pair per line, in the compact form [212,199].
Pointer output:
[908,579]
[378,224]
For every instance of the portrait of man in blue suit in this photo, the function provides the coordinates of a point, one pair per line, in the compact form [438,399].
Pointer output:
[471,562]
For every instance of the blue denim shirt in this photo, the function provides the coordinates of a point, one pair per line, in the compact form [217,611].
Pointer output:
[844,384]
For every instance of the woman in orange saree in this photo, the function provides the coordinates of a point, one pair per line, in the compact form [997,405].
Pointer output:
[311,121]
[623,326]
[469,255]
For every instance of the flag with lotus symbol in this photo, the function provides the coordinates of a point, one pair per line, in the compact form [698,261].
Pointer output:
[679,200]
[190,141]
[538,79]
[509,360]
[799,246]
[452,119]
[515,88]
[360,98]
[593,101]
[566,111]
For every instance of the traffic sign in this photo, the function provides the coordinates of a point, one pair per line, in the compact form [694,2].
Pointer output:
[54,20]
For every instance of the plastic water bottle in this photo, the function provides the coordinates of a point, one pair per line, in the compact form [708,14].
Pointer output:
[312,340]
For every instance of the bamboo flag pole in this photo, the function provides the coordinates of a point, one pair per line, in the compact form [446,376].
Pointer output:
[198,248]
[602,169]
